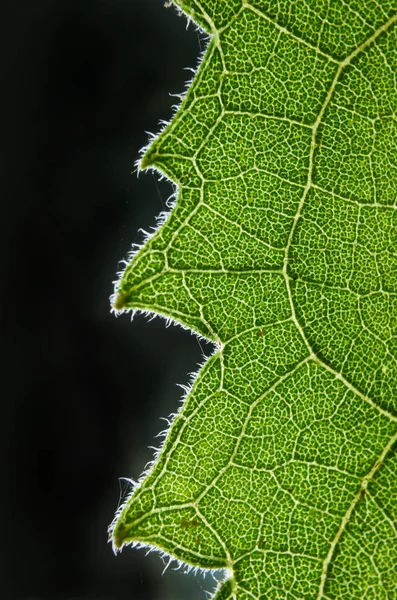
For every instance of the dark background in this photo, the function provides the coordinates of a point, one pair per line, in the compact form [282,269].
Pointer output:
[83,392]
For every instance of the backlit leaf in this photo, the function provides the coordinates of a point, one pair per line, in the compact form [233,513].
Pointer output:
[281,248]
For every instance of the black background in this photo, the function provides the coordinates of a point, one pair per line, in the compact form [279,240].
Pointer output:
[82,80]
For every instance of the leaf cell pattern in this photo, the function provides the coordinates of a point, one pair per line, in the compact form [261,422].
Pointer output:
[282,249]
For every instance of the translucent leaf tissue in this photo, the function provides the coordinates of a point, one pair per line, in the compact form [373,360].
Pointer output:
[281,248]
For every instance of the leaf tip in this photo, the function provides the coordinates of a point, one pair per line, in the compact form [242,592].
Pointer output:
[148,159]
[119,535]
[119,302]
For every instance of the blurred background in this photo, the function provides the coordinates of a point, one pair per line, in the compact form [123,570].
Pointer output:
[83,392]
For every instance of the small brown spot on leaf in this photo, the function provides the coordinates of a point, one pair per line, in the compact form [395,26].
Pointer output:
[186,523]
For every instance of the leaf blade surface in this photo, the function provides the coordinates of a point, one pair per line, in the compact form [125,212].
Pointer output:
[281,465]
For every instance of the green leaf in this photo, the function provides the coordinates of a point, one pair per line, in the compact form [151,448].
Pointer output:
[282,249]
